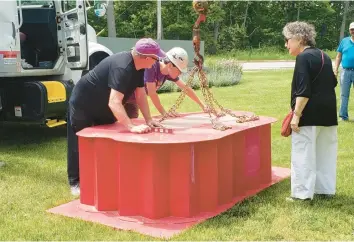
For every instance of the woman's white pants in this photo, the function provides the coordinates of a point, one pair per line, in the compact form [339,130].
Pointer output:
[313,161]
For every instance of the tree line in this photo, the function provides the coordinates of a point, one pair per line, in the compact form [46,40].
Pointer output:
[230,25]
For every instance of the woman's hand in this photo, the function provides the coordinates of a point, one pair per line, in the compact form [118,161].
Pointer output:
[295,123]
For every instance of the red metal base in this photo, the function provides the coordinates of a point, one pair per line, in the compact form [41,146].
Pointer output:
[194,170]
[161,228]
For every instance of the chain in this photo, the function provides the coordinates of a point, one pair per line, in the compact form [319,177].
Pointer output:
[201,7]
[181,96]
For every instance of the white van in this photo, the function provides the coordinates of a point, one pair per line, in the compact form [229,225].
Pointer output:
[45,48]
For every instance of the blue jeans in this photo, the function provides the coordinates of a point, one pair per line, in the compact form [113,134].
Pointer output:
[346,80]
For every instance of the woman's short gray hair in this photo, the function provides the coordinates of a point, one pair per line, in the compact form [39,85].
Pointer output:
[303,31]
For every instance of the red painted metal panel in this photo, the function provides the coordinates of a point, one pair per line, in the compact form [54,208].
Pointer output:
[155,182]
[206,176]
[87,171]
[182,183]
[252,158]
[225,170]
[106,165]
[181,174]
[163,228]
[238,162]
[129,178]
[266,154]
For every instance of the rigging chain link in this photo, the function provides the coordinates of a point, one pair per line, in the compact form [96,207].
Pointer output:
[201,7]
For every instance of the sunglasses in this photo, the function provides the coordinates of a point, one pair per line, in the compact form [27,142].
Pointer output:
[286,40]
[152,57]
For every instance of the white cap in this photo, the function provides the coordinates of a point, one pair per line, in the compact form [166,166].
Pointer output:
[351,26]
[179,58]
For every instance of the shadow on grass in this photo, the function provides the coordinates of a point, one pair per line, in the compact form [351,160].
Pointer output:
[340,202]
[275,196]
[250,206]
[29,135]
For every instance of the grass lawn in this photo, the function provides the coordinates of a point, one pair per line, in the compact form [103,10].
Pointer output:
[34,180]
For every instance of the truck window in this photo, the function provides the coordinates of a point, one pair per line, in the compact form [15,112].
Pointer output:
[36,3]
[68,5]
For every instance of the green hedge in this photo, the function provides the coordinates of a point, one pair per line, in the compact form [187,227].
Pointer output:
[219,73]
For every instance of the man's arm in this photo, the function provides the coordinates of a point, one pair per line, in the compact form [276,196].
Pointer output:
[115,103]
[190,92]
[337,62]
[151,88]
[142,102]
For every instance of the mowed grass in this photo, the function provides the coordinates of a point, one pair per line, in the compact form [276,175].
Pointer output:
[34,180]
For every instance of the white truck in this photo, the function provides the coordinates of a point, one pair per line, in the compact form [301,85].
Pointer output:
[45,48]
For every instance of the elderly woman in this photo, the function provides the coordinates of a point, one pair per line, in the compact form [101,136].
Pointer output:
[314,123]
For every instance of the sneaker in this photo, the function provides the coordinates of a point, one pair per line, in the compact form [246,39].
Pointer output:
[75,190]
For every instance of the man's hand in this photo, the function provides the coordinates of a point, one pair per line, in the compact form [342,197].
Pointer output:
[154,124]
[140,129]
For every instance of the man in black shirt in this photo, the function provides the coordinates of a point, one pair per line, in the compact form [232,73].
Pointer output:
[100,97]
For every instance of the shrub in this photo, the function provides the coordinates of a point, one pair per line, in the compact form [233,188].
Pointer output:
[224,72]
[219,73]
